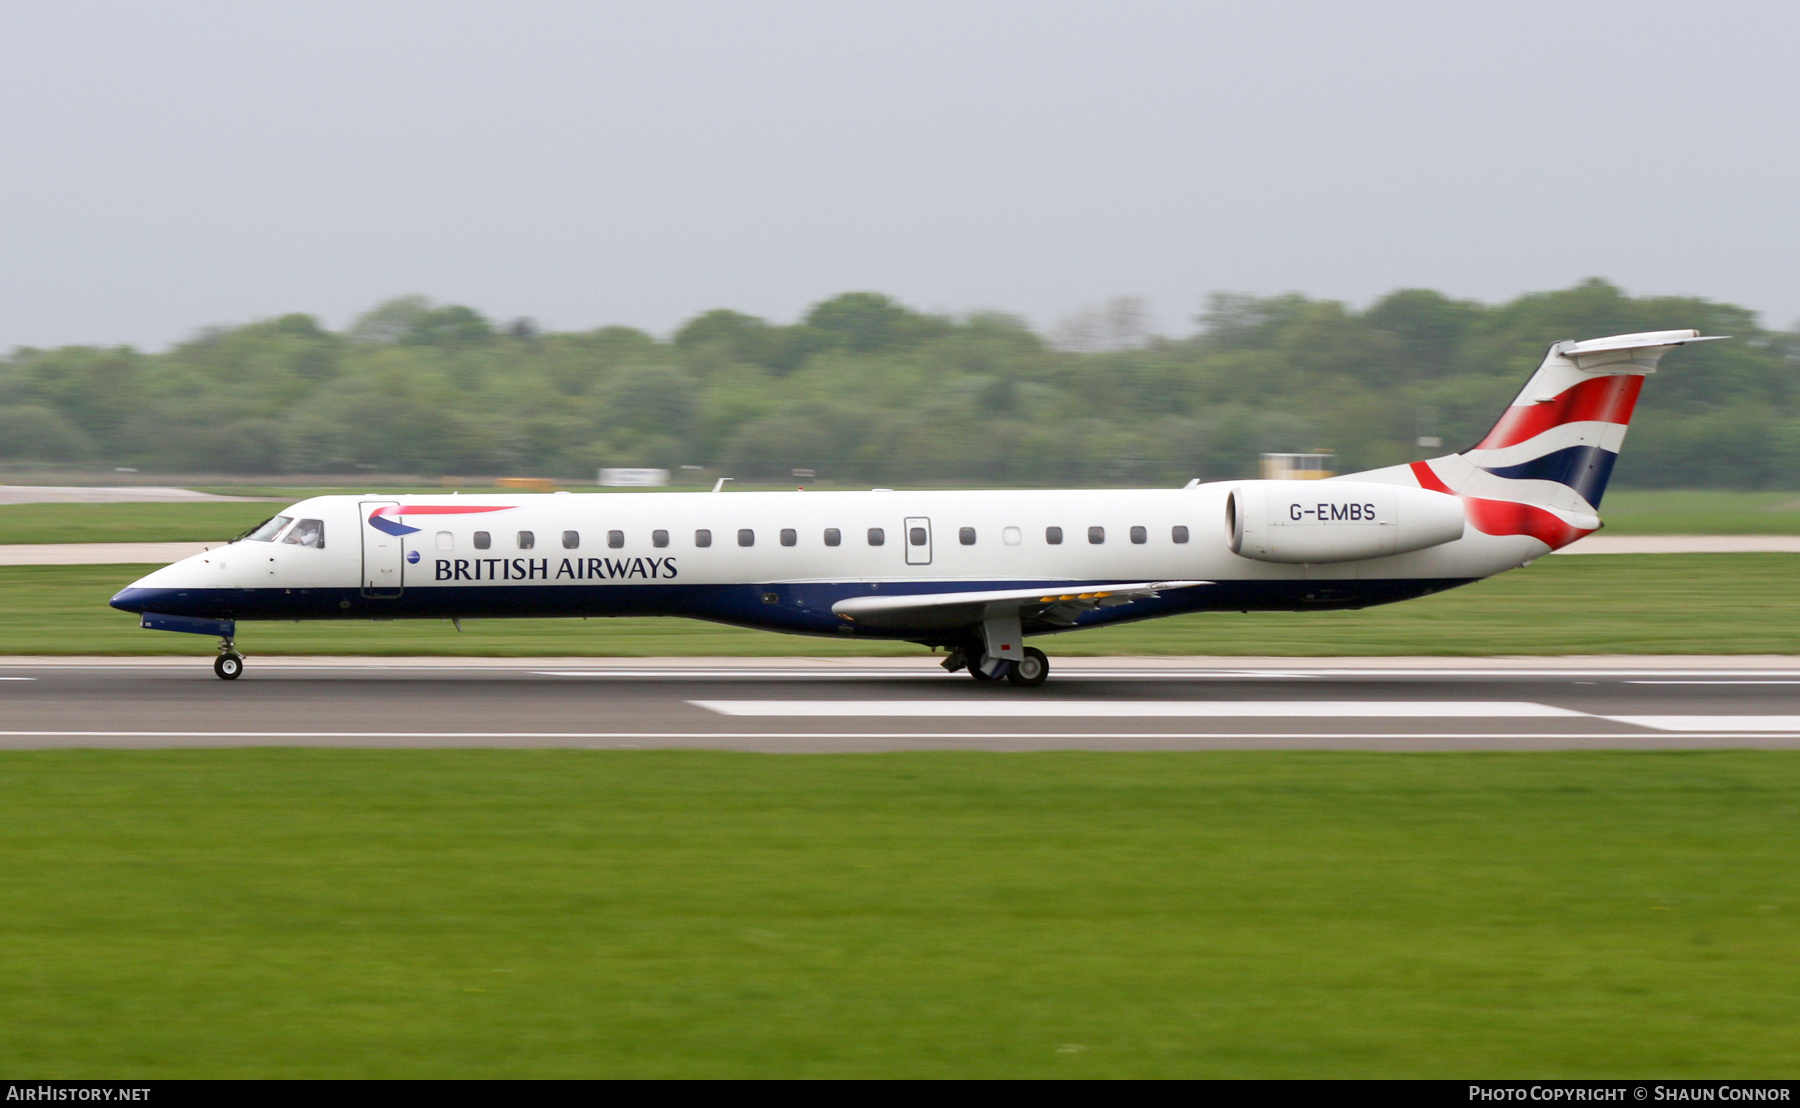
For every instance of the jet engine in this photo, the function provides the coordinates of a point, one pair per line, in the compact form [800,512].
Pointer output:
[1336,521]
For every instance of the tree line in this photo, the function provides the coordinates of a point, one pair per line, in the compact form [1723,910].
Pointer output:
[866,390]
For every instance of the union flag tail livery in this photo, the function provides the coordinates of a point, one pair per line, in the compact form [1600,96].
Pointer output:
[972,572]
[1543,468]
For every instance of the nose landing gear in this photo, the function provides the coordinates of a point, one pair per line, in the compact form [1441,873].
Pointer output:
[229,664]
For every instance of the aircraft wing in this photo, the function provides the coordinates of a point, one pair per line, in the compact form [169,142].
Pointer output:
[1061,604]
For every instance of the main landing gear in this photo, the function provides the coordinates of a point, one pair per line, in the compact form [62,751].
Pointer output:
[229,664]
[1031,670]
[1028,671]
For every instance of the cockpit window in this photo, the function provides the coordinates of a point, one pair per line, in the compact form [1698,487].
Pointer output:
[308,532]
[269,529]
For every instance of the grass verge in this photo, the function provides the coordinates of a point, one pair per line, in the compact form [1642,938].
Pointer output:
[287,913]
[49,523]
[1594,604]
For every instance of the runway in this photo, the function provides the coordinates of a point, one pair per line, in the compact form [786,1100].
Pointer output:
[848,705]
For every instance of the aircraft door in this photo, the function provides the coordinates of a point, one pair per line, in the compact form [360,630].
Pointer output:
[918,541]
[383,558]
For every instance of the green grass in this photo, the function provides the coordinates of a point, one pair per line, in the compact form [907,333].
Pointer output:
[204,522]
[1593,604]
[1701,512]
[285,913]
[1626,513]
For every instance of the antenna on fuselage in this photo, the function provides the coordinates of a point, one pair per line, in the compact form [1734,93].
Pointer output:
[719,485]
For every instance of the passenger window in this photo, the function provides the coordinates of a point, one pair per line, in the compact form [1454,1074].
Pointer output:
[269,529]
[483,540]
[308,532]
[746,537]
[966,536]
[916,536]
[1053,535]
[659,539]
[571,540]
[833,536]
[877,536]
[702,538]
[615,539]
[1011,536]
[527,540]
[789,536]
[1139,536]
[1096,535]
[446,541]
[1178,533]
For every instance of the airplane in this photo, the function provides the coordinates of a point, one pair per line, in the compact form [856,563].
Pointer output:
[972,572]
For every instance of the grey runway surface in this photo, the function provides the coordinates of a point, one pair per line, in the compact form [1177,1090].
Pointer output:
[813,705]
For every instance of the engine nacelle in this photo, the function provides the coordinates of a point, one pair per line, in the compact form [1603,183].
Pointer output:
[1336,521]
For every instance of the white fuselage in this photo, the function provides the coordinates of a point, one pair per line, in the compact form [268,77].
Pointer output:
[648,553]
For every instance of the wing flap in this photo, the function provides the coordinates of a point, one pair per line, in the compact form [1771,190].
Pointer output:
[1060,603]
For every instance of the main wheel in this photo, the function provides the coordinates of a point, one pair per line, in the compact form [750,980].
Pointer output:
[228,666]
[1031,670]
[975,672]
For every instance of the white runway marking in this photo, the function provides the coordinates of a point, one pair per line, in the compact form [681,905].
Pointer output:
[18,679]
[794,674]
[1734,724]
[1713,682]
[1120,709]
[1703,733]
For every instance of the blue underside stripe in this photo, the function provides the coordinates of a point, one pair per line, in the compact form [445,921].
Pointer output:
[799,608]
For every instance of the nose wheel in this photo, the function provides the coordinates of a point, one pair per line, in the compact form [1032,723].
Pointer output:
[229,664]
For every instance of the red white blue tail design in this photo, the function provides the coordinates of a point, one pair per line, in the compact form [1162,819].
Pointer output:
[1543,468]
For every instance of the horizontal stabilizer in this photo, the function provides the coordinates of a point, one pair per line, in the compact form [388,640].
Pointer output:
[1052,603]
[1643,340]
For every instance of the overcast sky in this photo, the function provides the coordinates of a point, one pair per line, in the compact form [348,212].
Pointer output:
[178,164]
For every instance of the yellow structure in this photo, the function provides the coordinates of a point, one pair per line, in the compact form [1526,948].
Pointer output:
[533,484]
[1299,467]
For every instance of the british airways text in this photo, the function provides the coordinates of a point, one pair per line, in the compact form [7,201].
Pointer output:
[538,569]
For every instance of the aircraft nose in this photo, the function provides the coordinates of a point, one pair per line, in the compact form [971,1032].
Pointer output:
[131,599]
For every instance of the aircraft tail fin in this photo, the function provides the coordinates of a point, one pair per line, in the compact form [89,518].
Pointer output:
[1543,468]
[1567,425]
